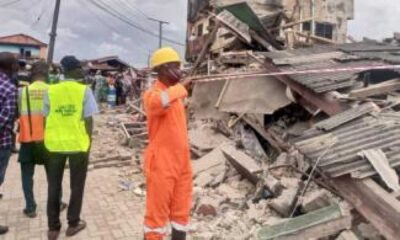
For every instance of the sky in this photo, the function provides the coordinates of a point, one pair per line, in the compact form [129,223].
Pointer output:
[88,32]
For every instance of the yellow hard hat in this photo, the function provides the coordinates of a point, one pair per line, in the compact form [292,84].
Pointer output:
[163,56]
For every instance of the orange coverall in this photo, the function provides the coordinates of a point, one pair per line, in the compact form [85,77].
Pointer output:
[167,161]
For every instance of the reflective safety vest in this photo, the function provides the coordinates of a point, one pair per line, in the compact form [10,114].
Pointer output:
[65,127]
[31,112]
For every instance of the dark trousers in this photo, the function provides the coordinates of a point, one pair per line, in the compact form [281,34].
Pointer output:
[30,154]
[78,164]
[4,159]
[27,172]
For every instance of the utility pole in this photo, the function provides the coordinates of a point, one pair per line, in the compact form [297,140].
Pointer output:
[160,29]
[53,33]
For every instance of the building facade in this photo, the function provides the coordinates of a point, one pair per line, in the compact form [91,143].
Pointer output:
[24,46]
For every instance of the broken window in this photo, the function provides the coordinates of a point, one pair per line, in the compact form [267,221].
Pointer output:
[324,30]
[307,26]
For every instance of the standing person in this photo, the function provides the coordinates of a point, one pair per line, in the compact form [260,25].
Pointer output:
[167,158]
[99,85]
[31,135]
[54,75]
[8,113]
[69,108]
[119,88]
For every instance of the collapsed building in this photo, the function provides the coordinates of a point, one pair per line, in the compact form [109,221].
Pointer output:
[293,130]
[284,23]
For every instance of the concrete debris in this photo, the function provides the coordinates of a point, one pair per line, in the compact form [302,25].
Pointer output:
[347,235]
[316,200]
[315,225]
[284,204]
[242,163]
[367,231]
[273,184]
[275,154]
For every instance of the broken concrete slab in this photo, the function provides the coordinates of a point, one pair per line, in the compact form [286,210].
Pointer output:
[367,231]
[203,100]
[273,184]
[285,202]
[318,224]
[204,138]
[244,164]
[347,235]
[316,200]
[267,96]
[213,159]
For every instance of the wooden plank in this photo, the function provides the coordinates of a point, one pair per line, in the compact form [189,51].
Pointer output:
[291,24]
[379,207]
[244,164]
[318,224]
[377,89]
[378,160]
[316,38]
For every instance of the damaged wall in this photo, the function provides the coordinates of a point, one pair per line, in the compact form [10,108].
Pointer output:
[335,12]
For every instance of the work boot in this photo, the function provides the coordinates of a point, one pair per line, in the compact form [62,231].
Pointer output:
[30,214]
[71,231]
[178,235]
[63,206]
[3,230]
[53,234]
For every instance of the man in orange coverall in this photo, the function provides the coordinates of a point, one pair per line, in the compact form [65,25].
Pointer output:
[167,158]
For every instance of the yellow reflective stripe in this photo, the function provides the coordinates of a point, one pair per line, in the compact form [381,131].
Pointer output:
[180,227]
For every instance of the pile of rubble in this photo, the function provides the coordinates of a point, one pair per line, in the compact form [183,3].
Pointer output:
[295,135]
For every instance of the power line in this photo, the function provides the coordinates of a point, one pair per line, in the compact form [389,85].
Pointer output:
[137,9]
[9,3]
[145,51]
[43,11]
[108,9]
[131,13]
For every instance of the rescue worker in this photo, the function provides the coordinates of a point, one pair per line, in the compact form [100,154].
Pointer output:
[8,113]
[31,134]
[167,157]
[69,107]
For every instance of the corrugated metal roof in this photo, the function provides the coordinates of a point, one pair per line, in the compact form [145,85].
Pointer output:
[390,57]
[355,54]
[338,149]
[367,47]
[325,82]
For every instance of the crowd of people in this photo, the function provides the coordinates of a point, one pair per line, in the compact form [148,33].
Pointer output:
[112,88]
[54,111]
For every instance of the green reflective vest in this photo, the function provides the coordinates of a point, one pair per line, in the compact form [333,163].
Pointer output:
[65,127]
